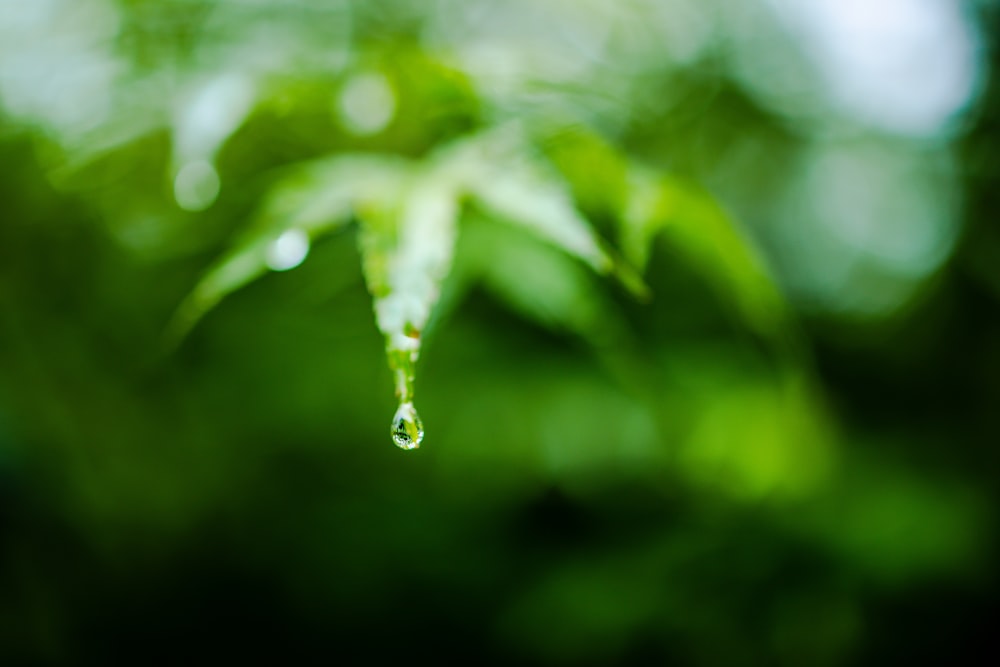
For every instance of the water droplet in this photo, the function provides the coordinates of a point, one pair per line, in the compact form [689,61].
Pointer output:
[288,250]
[407,429]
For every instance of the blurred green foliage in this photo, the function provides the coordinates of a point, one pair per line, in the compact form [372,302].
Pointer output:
[745,449]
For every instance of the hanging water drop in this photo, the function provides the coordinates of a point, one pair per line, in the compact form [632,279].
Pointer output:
[406,246]
[407,429]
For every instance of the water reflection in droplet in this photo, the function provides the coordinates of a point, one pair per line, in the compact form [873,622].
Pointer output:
[407,429]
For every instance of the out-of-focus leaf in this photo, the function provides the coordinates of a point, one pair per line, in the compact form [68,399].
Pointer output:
[513,187]
[497,169]
[313,199]
[597,172]
[538,281]
[646,202]
[408,213]
[510,182]
[700,230]
[323,194]
[406,243]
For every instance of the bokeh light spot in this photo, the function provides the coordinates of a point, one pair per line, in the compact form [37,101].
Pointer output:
[367,104]
[196,186]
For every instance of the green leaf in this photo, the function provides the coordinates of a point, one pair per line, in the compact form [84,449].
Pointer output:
[511,182]
[408,214]
[697,227]
[406,243]
[597,171]
[648,204]
[539,281]
[314,199]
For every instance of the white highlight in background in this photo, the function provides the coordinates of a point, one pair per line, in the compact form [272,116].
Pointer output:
[906,66]
[196,185]
[367,104]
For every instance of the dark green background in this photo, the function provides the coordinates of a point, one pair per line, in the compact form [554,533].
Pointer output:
[691,493]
